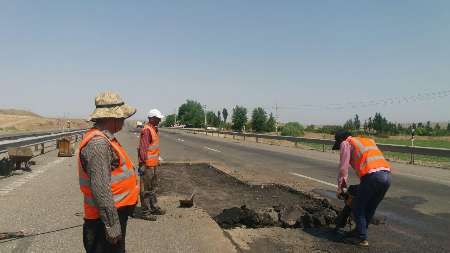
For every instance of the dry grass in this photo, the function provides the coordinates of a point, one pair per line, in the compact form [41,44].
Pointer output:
[12,121]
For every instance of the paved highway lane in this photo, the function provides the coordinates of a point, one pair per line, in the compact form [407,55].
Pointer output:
[417,206]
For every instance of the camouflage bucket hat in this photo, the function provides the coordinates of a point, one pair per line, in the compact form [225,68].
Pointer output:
[110,105]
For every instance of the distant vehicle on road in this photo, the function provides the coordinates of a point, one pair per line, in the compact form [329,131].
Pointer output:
[212,128]
[139,124]
[178,126]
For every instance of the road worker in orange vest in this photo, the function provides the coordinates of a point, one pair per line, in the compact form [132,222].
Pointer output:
[107,177]
[149,159]
[375,179]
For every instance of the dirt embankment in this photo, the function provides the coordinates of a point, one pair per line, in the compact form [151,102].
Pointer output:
[15,121]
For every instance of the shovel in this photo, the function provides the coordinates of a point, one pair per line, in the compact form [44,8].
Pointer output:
[12,235]
[187,203]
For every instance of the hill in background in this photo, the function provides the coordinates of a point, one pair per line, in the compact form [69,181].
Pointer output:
[18,112]
[13,120]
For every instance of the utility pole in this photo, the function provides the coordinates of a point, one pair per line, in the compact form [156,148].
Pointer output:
[276,118]
[204,112]
[176,114]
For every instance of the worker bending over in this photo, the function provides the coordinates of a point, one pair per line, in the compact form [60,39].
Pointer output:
[375,179]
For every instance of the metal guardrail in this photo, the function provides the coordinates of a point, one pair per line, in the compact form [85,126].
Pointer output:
[39,143]
[416,150]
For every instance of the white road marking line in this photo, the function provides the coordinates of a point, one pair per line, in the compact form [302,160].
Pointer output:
[313,179]
[21,181]
[181,140]
[215,150]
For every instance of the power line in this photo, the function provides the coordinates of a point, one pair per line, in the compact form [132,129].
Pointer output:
[421,97]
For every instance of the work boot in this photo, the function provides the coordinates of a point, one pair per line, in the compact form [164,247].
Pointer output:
[357,241]
[158,211]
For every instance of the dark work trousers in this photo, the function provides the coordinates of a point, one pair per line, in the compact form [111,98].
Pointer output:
[94,235]
[149,184]
[371,192]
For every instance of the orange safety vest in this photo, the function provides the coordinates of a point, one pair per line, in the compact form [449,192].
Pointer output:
[124,185]
[367,156]
[153,151]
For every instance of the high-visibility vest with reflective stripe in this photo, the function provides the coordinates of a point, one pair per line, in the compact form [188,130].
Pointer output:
[124,185]
[153,151]
[367,156]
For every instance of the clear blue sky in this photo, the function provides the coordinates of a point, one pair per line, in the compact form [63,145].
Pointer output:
[56,55]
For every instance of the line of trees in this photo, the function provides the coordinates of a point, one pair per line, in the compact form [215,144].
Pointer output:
[192,114]
[381,126]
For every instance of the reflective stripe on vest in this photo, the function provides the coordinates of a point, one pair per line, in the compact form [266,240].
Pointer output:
[366,156]
[153,151]
[124,185]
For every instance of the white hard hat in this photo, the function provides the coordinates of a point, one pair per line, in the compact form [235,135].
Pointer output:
[155,113]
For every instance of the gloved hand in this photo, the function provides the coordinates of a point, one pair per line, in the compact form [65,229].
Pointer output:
[339,193]
[141,170]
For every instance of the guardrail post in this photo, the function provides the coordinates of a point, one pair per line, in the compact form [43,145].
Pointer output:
[42,148]
[323,147]
[257,139]
[244,137]
[412,155]
[234,137]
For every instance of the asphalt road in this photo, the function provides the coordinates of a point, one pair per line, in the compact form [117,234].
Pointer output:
[416,208]
[46,202]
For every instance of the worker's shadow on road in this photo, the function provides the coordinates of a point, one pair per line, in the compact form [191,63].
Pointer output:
[327,234]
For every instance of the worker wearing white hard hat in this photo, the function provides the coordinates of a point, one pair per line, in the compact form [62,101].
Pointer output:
[155,113]
[149,159]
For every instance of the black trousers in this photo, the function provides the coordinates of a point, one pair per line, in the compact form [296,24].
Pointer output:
[94,235]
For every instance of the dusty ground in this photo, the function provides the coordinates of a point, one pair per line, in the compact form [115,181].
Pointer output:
[12,121]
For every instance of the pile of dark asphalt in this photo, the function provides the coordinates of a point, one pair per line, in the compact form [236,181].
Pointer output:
[234,203]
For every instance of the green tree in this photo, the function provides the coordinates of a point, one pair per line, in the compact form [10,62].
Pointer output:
[259,119]
[349,125]
[271,124]
[191,114]
[169,121]
[212,119]
[356,123]
[448,127]
[219,116]
[292,129]
[239,118]
[225,115]
[380,124]
[428,128]
[437,130]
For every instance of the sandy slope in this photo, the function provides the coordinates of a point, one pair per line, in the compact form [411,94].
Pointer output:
[12,121]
